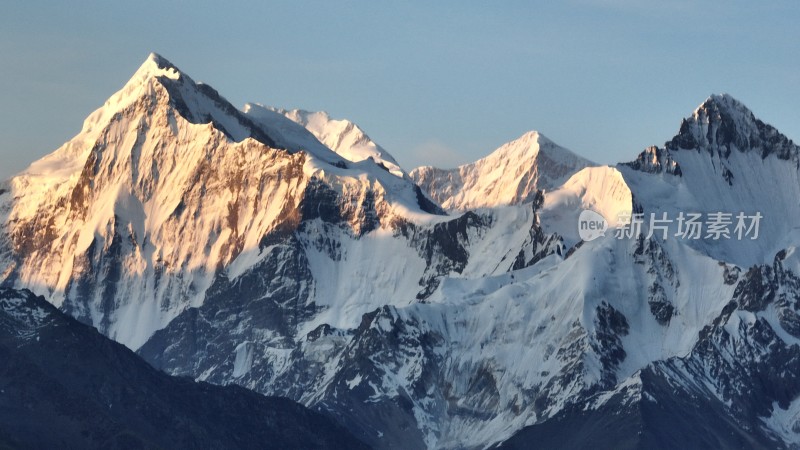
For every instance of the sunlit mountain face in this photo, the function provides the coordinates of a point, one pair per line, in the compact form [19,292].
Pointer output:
[287,253]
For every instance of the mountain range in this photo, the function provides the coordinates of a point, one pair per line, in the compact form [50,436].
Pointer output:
[289,254]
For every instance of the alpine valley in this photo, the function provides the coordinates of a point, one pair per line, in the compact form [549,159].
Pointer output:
[287,253]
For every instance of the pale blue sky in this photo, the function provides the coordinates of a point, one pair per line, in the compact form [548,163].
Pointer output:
[442,82]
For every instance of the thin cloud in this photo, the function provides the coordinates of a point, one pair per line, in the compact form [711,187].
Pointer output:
[436,153]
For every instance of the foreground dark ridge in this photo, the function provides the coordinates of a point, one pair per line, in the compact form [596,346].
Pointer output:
[64,385]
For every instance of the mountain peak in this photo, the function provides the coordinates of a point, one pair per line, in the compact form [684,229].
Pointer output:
[724,108]
[512,174]
[156,66]
[724,100]
[154,70]
[533,146]
[722,123]
[160,61]
[342,136]
[531,140]
[532,134]
[162,85]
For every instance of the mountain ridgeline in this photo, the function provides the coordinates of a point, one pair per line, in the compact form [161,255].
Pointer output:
[64,385]
[288,253]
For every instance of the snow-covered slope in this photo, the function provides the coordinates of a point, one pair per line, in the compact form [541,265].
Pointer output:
[287,133]
[342,136]
[130,222]
[237,247]
[736,387]
[512,174]
[601,189]
[724,160]
[489,351]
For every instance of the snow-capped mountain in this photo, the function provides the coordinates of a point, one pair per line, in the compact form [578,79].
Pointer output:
[723,159]
[131,221]
[243,248]
[342,136]
[170,201]
[512,174]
